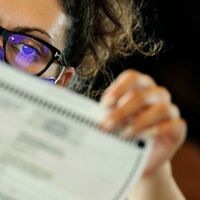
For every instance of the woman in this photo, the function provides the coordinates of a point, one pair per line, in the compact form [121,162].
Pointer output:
[50,38]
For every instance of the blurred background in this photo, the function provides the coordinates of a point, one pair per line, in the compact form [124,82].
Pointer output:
[177,68]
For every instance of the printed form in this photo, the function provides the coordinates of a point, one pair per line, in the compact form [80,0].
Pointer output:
[52,149]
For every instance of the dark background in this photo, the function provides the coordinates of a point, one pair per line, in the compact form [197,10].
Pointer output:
[177,22]
[177,67]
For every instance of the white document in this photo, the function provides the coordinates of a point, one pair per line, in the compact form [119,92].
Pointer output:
[52,149]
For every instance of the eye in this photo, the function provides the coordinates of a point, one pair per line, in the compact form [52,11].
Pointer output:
[28,49]
[27,53]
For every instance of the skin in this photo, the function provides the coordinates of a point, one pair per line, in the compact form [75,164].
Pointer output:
[33,14]
[140,105]
[134,99]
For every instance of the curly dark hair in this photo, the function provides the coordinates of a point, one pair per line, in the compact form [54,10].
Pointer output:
[102,30]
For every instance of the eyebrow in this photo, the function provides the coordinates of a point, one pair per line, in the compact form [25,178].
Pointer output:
[31,29]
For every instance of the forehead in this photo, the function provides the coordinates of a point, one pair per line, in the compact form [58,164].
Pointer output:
[45,14]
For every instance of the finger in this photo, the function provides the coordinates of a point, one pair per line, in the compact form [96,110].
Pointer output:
[132,103]
[150,117]
[130,79]
[169,136]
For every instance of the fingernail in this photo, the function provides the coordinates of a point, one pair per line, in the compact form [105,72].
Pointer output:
[150,132]
[127,132]
[152,99]
[108,125]
[143,82]
[174,112]
[108,101]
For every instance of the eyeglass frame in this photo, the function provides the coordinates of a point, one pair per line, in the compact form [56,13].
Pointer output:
[56,53]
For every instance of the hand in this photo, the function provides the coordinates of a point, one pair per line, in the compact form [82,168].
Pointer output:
[140,106]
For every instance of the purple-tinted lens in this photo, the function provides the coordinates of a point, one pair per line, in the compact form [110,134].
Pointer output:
[16,39]
[2,54]
[27,53]
[50,80]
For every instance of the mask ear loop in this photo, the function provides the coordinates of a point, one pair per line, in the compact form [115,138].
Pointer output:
[60,75]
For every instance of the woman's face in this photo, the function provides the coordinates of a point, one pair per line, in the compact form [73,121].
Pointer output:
[43,18]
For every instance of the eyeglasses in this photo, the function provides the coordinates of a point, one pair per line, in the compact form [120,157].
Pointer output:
[32,55]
